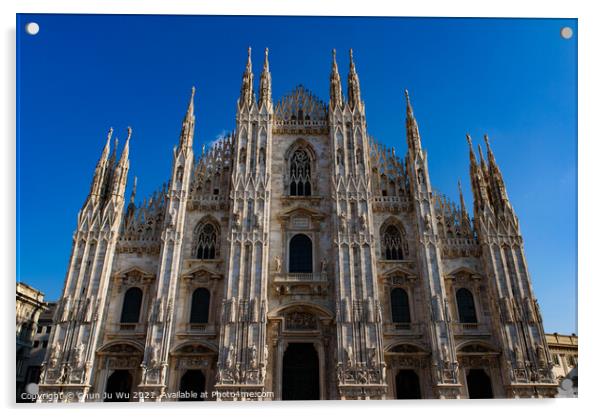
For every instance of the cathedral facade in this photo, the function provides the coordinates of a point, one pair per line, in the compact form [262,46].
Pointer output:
[297,258]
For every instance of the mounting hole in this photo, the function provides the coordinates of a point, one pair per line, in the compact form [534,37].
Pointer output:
[32,28]
[566,32]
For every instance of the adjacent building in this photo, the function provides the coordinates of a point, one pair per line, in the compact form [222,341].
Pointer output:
[297,258]
[29,306]
[565,353]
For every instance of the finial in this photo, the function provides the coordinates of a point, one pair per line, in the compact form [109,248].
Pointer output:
[266,63]
[192,92]
[110,133]
[129,133]
[351,54]
[334,54]
[469,140]
[409,110]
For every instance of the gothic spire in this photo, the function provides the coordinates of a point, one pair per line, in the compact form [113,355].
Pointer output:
[336,92]
[121,170]
[125,153]
[101,168]
[353,84]
[187,133]
[412,133]
[265,84]
[246,89]
[133,194]
[462,203]
[479,188]
[498,188]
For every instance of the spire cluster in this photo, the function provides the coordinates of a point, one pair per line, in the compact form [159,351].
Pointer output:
[487,183]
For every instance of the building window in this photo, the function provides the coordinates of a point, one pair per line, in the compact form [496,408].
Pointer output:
[40,328]
[48,328]
[466,308]
[556,360]
[132,301]
[45,344]
[300,173]
[391,244]
[300,254]
[400,306]
[207,242]
[36,343]
[199,308]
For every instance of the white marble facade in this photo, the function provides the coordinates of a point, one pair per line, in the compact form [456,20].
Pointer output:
[297,242]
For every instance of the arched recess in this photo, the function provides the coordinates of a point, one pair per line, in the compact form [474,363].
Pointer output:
[199,306]
[206,239]
[300,254]
[302,330]
[119,369]
[194,365]
[467,312]
[132,304]
[408,370]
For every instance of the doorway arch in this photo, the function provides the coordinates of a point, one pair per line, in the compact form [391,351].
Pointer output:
[300,372]
[407,385]
[119,386]
[193,382]
[479,384]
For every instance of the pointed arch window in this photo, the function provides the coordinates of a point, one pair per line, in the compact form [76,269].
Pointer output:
[392,244]
[132,302]
[199,306]
[300,173]
[400,306]
[207,242]
[467,312]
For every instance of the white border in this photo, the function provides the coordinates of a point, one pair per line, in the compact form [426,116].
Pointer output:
[590,69]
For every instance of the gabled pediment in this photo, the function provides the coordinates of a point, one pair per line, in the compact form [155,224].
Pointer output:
[463,271]
[133,272]
[200,272]
[399,270]
[301,211]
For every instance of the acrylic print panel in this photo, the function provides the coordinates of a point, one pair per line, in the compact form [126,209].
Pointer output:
[223,208]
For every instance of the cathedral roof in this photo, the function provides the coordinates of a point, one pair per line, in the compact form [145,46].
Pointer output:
[300,110]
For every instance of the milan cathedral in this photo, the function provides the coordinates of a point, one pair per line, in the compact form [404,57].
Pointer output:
[296,259]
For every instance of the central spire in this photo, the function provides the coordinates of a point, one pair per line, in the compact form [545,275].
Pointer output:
[336,92]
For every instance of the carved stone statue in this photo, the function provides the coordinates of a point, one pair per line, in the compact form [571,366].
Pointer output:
[324,265]
[229,356]
[78,355]
[278,264]
[66,308]
[362,221]
[541,355]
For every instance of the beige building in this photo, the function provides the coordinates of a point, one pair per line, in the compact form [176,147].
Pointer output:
[29,305]
[297,258]
[565,353]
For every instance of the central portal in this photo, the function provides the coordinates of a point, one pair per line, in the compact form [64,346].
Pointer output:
[300,372]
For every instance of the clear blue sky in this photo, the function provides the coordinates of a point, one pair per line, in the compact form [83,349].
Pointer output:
[515,79]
